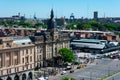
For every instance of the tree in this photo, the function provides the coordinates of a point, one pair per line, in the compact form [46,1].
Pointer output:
[96,25]
[110,27]
[66,78]
[67,55]
[87,26]
[80,26]
[72,25]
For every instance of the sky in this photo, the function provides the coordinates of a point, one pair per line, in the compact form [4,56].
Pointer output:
[41,8]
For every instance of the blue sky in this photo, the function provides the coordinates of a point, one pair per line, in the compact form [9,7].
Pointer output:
[80,8]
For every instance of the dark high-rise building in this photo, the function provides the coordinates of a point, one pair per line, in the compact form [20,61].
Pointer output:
[95,15]
[72,17]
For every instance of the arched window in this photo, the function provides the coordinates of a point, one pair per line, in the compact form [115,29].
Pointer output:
[30,75]
[24,76]
[9,78]
[16,77]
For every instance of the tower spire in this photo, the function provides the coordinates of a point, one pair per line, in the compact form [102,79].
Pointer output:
[52,14]
[51,23]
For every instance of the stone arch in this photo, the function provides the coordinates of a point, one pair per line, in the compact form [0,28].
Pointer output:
[30,74]
[24,76]
[16,77]
[9,78]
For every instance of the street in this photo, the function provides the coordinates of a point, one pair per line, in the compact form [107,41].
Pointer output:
[100,68]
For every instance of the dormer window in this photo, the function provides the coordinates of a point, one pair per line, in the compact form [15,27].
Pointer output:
[23,43]
[29,42]
[8,45]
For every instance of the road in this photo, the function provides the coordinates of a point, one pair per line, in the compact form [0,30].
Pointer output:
[104,67]
[115,77]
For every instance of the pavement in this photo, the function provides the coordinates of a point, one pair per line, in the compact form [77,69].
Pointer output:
[94,71]
[68,72]
[53,77]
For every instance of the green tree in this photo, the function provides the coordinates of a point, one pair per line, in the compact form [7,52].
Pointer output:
[110,27]
[87,26]
[67,55]
[96,25]
[80,26]
[66,78]
[40,24]
[25,24]
[72,25]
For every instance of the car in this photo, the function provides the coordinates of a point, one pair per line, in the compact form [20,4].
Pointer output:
[81,66]
[68,69]
[63,72]
[71,71]
[46,77]
[41,78]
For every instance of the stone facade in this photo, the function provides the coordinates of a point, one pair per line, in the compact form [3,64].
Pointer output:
[19,56]
[16,59]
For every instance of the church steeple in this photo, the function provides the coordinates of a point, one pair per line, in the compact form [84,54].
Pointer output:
[51,22]
[52,14]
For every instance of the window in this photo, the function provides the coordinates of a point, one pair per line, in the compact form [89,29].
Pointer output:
[16,53]
[0,60]
[22,60]
[29,42]
[26,51]
[23,68]
[8,63]
[16,61]
[40,50]
[26,60]
[30,58]
[8,54]
[8,45]
[31,51]
[30,65]
[17,69]
[23,43]
[40,57]
[8,71]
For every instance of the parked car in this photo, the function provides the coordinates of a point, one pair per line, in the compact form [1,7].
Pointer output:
[41,78]
[63,72]
[46,77]
[81,66]
[71,71]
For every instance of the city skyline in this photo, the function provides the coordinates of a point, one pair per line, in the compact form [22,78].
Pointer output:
[41,8]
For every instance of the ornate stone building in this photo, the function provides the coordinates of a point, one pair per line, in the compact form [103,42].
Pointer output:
[49,42]
[16,58]
[19,56]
